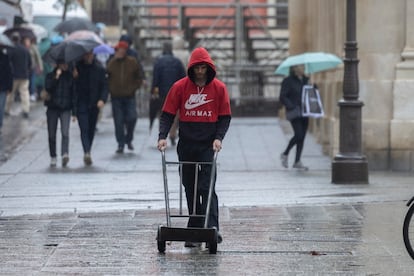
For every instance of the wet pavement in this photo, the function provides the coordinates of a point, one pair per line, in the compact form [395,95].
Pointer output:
[103,219]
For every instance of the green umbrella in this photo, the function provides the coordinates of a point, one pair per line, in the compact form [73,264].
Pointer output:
[313,61]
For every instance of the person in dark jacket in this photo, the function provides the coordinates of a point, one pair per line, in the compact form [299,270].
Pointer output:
[60,99]
[291,98]
[130,51]
[167,70]
[204,106]
[92,94]
[21,63]
[133,53]
[124,78]
[6,81]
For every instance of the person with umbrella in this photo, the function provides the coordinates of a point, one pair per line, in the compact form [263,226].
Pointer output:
[21,63]
[91,94]
[37,66]
[167,70]
[60,99]
[295,67]
[75,24]
[6,81]
[291,98]
[124,77]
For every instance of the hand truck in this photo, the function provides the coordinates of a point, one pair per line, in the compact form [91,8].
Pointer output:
[188,234]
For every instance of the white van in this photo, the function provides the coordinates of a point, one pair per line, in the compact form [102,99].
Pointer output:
[48,13]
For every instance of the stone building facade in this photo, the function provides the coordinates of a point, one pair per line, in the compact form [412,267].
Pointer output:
[385,38]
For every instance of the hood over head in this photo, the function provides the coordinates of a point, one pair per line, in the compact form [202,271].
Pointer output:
[198,56]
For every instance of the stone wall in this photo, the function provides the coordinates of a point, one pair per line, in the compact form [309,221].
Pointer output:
[386,73]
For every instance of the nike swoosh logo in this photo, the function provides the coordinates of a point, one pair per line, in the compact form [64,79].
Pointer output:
[194,105]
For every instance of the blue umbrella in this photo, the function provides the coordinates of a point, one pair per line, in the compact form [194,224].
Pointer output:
[103,49]
[313,62]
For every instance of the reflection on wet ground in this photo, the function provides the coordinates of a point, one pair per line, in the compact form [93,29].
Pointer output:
[17,130]
[348,239]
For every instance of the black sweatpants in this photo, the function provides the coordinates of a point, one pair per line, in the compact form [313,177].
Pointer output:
[198,152]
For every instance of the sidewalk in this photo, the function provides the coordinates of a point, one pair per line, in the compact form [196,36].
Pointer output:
[102,220]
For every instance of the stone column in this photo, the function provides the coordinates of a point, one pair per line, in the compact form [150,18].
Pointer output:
[297,26]
[350,165]
[402,123]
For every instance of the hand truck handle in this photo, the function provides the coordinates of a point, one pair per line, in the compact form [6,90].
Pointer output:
[211,187]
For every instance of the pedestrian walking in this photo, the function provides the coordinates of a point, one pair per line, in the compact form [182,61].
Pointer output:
[167,70]
[180,50]
[130,51]
[21,63]
[60,99]
[291,98]
[91,96]
[204,106]
[135,54]
[6,81]
[124,78]
[37,66]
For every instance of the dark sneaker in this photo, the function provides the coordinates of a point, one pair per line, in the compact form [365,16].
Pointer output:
[284,160]
[192,244]
[298,165]
[26,115]
[120,150]
[65,160]
[87,159]
[130,146]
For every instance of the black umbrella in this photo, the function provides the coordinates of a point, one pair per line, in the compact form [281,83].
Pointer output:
[75,24]
[155,106]
[69,50]
[22,31]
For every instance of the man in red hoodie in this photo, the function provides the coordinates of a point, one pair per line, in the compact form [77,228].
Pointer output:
[204,106]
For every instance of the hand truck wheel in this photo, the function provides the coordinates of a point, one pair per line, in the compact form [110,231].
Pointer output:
[212,246]
[161,244]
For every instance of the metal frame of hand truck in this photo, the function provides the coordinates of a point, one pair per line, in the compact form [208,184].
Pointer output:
[189,234]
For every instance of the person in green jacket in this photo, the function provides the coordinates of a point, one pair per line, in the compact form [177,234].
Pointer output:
[124,78]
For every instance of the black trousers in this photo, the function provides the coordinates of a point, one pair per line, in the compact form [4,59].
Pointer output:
[198,152]
[87,120]
[300,127]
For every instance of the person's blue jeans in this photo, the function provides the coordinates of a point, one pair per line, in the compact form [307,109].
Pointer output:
[3,97]
[53,116]
[87,120]
[124,112]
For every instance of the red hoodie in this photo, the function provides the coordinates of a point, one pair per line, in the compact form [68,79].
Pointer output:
[204,111]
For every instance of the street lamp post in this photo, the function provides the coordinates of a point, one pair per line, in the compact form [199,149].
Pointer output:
[350,166]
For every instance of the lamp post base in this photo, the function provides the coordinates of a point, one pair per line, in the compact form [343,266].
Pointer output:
[350,170]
